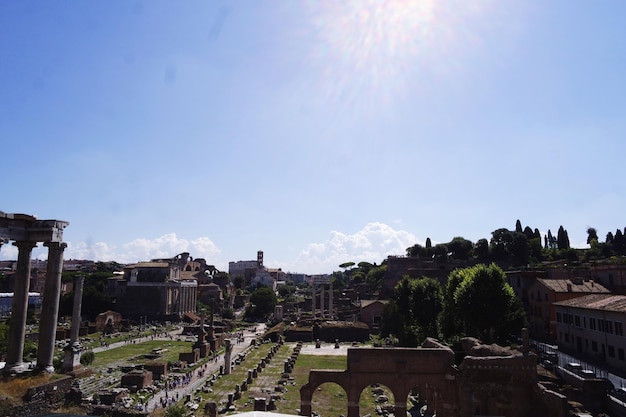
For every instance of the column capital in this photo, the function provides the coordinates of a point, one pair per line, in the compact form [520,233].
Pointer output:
[55,245]
[25,244]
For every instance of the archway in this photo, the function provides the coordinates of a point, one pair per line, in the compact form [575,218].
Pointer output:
[377,399]
[399,369]
[423,400]
[331,398]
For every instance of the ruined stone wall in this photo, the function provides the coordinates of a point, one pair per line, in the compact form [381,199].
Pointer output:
[497,385]
[41,399]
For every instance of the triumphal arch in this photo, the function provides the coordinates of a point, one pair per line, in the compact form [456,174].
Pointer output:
[26,232]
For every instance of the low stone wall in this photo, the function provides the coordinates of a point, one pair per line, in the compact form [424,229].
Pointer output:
[42,399]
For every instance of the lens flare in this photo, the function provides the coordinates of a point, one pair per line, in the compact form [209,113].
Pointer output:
[371,51]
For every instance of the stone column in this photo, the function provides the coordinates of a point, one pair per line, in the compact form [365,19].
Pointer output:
[73,349]
[228,350]
[322,300]
[50,306]
[19,309]
[313,299]
[330,303]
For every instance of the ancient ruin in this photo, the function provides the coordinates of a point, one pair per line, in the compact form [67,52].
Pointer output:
[492,382]
[26,232]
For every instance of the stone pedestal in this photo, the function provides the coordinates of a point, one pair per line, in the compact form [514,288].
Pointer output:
[71,358]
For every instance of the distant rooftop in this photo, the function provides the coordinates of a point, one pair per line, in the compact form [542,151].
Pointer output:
[606,302]
[573,285]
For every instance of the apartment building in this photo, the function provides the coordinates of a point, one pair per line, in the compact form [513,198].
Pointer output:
[542,295]
[593,325]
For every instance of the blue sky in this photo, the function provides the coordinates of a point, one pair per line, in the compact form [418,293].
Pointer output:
[318,132]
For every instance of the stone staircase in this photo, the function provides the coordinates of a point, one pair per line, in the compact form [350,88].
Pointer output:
[92,384]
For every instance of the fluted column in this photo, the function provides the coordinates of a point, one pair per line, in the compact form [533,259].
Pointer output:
[19,309]
[50,306]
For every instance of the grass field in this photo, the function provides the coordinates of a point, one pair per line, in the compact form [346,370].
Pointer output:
[132,354]
[329,400]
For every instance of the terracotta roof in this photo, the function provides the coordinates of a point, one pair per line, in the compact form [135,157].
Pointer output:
[563,285]
[607,302]
[365,303]
[150,264]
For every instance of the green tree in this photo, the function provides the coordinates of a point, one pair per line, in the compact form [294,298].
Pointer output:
[562,240]
[520,249]
[239,282]
[263,301]
[415,251]
[479,302]
[426,304]
[412,313]
[481,250]
[286,290]
[460,248]
[440,253]
[619,243]
[87,358]
[500,244]
[592,235]
[376,277]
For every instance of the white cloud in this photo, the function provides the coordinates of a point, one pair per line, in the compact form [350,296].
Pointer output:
[144,249]
[372,244]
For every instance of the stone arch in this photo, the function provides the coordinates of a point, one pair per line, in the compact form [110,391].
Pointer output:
[378,394]
[324,391]
[424,396]
[400,369]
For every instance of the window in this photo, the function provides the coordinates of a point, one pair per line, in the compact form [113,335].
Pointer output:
[566,337]
[619,330]
[611,351]
[592,323]
[620,354]
[577,321]
[545,296]
[608,326]
[585,322]
[558,318]
[594,346]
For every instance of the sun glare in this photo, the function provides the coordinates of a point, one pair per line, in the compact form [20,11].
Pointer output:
[369,51]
